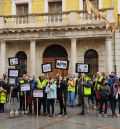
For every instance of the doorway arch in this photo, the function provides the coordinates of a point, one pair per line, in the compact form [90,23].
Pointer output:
[22,56]
[52,53]
[91,58]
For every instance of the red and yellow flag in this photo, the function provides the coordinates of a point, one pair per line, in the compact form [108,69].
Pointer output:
[90,8]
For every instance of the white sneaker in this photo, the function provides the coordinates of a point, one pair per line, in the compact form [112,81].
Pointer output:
[26,112]
[22,112]
[16,112]
[105,116]
[65,116]
[11,112]
[117,115]
[99,115]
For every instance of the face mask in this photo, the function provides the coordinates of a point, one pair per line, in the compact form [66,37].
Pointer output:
[31,78]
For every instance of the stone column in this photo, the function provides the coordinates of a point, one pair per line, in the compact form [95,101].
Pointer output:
[109,59]
[3,57]
[73,55]
[33,57]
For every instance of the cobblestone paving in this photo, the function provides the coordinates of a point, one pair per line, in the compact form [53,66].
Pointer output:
[74,121]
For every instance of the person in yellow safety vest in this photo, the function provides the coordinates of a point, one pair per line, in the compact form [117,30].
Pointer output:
[41,85]
[86,89]
[3,92]
[71,91]
[6,83]
[22,99]
[97,85]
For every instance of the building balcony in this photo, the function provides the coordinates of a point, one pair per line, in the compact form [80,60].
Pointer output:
[55,20]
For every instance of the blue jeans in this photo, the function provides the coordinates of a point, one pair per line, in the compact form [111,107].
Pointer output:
[72,98]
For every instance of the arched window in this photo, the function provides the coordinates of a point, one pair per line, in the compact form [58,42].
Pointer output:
[91,58]
[23,62]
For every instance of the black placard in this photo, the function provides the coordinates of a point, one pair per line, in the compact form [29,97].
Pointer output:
[46,68]
[82,68]
[13,61]
[62,64]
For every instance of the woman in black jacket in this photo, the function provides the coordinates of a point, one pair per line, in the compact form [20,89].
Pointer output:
[62,97]
[104,98]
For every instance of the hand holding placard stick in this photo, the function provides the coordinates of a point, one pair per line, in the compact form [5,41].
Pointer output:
[12,83]
[11,88]
[37,94]
[25,88]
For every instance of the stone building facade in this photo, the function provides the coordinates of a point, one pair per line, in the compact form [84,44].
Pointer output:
[66,35]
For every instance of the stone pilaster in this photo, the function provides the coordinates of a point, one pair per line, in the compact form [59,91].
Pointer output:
[2,57]
[33,57]
[73,55]
[109,56]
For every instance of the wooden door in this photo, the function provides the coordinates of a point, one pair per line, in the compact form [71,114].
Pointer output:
[54,70]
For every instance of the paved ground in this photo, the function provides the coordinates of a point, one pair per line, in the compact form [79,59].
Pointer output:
[74,121]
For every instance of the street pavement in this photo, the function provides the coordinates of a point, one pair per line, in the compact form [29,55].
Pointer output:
[73,121]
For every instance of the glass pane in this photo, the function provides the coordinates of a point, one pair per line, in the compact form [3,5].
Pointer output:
[55,7]
[22,9]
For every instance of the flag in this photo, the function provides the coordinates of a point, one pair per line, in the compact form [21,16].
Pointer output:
[107,26]
[89,10]
[110,26]
[100,15]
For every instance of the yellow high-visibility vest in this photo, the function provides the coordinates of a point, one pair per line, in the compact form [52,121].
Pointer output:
[71,88]
[97,85]
[21,82]
[87,90]
[42,84]
[3,97]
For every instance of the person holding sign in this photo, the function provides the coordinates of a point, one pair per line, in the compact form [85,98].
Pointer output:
[3,92]
[24,93]
[62,96]
[51,96]
[22,106]
[41,85]
[33,84]
[86,85]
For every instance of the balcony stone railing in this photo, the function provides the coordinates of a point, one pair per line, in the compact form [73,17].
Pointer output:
[54,19]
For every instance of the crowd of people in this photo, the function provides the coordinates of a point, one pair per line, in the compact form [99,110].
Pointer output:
[101,90]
